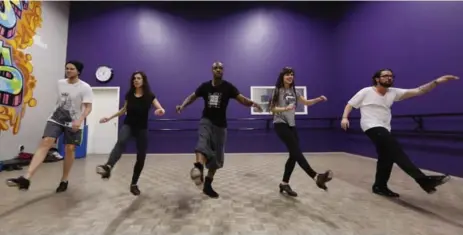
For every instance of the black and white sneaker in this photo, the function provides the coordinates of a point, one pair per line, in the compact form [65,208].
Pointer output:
[104,171]
[197,174]
[20,182]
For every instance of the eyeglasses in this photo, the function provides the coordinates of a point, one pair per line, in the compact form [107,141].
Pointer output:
[387,76]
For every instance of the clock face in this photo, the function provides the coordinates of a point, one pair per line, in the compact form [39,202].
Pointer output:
[104,74]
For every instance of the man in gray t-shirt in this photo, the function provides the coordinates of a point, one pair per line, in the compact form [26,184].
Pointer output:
[74,104]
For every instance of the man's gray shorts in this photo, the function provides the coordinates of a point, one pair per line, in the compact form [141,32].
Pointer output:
[211,143]
[54,130]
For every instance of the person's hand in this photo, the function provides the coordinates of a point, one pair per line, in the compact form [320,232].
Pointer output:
[257,107]
[446,78]
[76,125]
[290,107]
[345,123]
[159,112]
[178,108]
[104,120]
[322,98]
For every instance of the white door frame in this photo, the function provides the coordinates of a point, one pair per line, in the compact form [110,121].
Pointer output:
[118,91]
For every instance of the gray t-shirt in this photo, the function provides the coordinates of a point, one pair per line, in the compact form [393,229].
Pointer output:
[285,98]
[69,104]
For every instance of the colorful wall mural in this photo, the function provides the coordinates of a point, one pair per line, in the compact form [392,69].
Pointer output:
[19,21]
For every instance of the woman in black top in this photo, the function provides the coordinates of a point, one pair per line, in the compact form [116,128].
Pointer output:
[138,101]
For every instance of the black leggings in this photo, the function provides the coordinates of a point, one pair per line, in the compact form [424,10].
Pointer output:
[290,138]
[141,139]
[390,152]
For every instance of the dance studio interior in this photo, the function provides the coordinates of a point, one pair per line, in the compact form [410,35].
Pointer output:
[335,118]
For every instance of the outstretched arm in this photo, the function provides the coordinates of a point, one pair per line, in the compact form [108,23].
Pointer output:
[311,102]
[159,110]
[248,103]
[189,100]
[423,89]
[156,104]
[245,101]
[120,112]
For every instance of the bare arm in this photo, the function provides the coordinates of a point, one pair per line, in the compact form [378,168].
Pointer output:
[86,112]
[421,90]
[279,109]
[156,104]
[347,111]
[310,102]
[244,101]
[120,112]
[189,100]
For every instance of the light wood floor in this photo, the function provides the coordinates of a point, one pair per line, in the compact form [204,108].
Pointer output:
[249,203]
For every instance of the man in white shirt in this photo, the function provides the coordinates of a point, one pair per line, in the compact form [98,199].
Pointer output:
[375,104]
[74,104]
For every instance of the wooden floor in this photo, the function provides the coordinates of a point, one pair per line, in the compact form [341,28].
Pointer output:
[249,203]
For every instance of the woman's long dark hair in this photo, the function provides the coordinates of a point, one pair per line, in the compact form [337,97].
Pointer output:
[145,87]
[279,84]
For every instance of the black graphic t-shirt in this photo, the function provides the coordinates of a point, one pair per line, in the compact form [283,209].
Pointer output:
[138,110]
[216,100]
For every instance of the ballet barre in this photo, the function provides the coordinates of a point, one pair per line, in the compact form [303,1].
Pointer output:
[417,127]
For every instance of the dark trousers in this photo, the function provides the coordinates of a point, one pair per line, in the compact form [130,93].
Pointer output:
[290,138]
[141,139]
[389,152]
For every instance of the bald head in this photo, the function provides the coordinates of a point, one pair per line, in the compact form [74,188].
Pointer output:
[217,69]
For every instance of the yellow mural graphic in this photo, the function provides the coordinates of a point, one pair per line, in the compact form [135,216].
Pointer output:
[19,21]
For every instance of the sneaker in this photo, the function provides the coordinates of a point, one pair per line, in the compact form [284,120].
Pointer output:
[285,188]
[104,171]
[197,173]
[63,186]
[208,190]
[322,179]
[384,191]
[134,190]
[20,182]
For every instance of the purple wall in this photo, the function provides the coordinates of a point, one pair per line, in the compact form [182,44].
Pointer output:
[419,41]
[333,54]
[176,48]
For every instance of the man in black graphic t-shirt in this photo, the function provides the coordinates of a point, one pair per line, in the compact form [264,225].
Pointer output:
[212,131]
[216,100]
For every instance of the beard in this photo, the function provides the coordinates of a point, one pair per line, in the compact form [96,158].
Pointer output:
[386,84]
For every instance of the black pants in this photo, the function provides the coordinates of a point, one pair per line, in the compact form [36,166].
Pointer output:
[389,152]
[141,139]
[290,138]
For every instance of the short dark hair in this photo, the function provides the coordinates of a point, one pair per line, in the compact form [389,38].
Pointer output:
[79,65]
[378,74]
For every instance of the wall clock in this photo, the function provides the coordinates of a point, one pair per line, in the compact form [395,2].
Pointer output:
[104,74]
